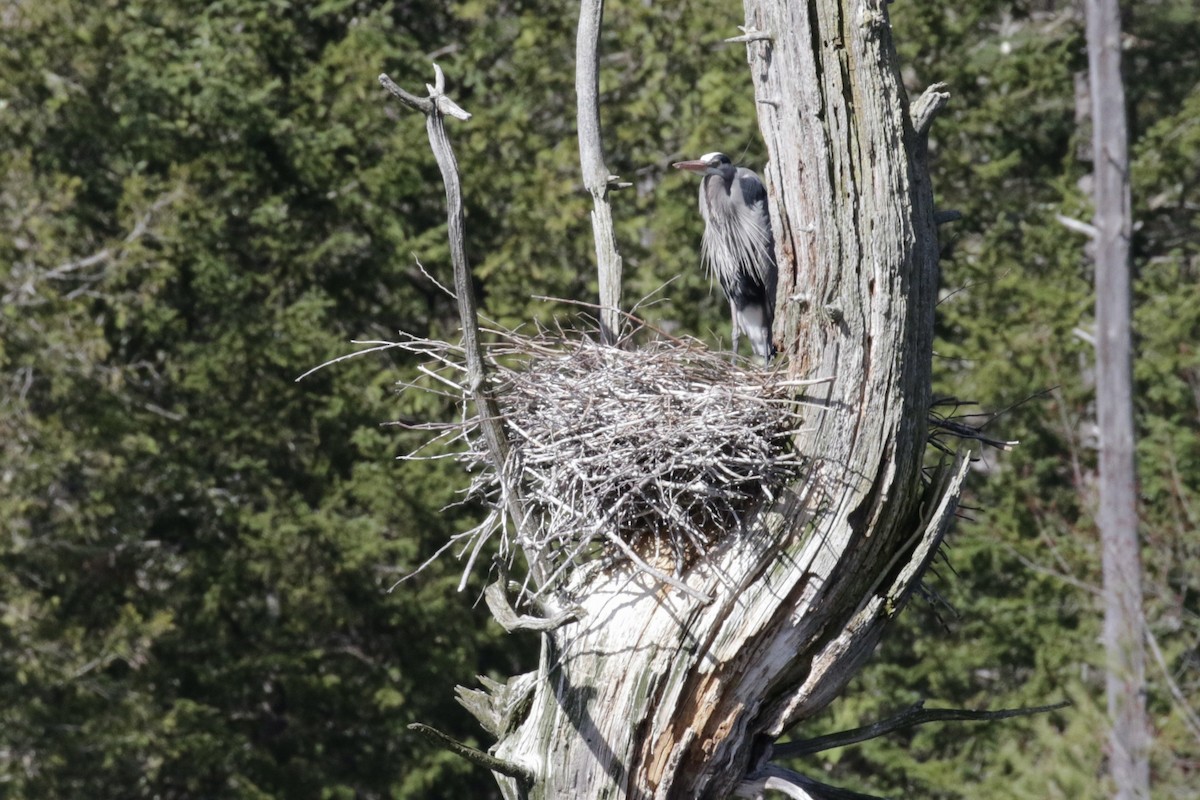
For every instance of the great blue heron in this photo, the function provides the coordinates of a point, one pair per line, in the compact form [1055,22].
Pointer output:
[738,246]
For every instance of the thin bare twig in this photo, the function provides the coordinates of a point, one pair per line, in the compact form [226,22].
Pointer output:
[796,786]
[1190,719]
[916,715]
[749,34]
[475,756]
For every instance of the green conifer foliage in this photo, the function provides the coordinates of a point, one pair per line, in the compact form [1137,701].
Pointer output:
[205,200]
[203,204]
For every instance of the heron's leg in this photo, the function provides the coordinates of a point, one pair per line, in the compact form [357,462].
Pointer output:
[735,334]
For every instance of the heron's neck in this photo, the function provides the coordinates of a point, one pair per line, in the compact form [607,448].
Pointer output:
[724,174]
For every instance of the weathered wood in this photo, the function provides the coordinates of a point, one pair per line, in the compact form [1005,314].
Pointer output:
[1124,622]
[499,707]
[496,597]
[655,694]
[596,178]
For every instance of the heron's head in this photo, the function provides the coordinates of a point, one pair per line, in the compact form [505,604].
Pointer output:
[707,164]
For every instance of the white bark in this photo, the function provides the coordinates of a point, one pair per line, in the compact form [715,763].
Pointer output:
[1124,623]
[596,178]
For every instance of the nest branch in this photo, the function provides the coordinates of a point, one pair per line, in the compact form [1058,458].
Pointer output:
[644,458]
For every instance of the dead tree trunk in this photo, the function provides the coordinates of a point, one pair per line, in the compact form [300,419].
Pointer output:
[1124,623]
[654,693]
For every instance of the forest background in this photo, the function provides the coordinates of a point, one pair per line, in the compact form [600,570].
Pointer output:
[202,200]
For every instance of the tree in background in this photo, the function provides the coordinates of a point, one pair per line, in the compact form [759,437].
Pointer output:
[196,550]
[1124,623]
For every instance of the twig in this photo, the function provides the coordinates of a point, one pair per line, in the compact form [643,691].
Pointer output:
[750,34]
[637,322]
[916,715]
[971,432]
[1076,225]
[1189,716]
[1029,563]
[378,346]
[478,757]
[139,229]
[773,777]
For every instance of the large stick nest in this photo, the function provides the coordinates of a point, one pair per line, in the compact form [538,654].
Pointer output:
[648,456]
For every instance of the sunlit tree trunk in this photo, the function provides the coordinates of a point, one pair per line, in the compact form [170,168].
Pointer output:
[1124,623]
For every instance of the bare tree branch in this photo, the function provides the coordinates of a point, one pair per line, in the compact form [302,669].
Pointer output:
[916,715]
[596,178]
[490,420]
[749,34]
[25,290]
[1076,225]
[796,786]
[1190,719]
[473,755]
[497,602]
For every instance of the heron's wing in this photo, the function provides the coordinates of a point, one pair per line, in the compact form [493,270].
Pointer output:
[753,231]
[753,191]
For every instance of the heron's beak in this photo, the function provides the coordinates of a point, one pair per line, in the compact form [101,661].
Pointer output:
[691,166]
